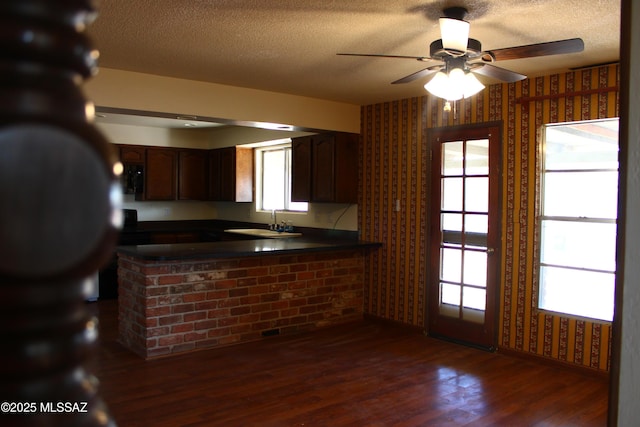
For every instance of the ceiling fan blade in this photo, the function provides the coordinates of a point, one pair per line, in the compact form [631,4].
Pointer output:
[418,74]
[417,58]
[499,73]
[537,49]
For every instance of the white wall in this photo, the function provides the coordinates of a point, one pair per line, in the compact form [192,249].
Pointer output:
[147,92]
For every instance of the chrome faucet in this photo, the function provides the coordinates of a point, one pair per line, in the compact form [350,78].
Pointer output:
[274,221]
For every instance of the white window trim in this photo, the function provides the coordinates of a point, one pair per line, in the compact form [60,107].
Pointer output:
[577,219]
[259,150]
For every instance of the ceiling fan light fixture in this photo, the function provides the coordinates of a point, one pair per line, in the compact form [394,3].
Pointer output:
[439,85]
[471,85]
[455,35]
[454,86]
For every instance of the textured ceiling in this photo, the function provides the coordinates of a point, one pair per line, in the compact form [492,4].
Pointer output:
[290,46]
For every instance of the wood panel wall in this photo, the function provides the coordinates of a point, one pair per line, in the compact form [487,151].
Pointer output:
[394,164]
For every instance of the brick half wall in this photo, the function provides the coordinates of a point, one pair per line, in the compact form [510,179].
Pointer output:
[169,307]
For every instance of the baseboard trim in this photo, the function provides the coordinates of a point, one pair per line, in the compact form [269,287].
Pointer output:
[536,358]
[382,320]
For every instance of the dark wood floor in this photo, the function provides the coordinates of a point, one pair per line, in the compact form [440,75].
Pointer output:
[357,375]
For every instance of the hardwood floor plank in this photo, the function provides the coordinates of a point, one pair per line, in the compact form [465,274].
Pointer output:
[352,375]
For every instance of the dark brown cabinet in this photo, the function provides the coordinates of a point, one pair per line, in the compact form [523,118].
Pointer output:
[192,174]
[132,178]
[325,168]
[301,169]
[231,174]
[160,174]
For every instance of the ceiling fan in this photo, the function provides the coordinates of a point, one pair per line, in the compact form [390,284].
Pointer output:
[459,56]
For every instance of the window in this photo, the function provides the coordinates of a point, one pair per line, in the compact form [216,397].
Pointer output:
[578,219]
[273,179]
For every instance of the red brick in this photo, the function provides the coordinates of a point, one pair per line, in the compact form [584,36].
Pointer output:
[227,321]
[156,332]
[219,332]
[238,329]
[170,340]
[253,299]
[226,284]
[260,307]
[249,318]
[237,311]
[280,305]
[305,275]
[289,277]
[157,311]
[182,328]
[238,292]
[289,312]
[199,315]
[195,336]
[269,315]
[169,320]
[258,271]
[219,313]
[269,297]
[170,280]
[205,324]
[298,267]
[262,289]
[182,308]
[206,305]
[217,294]
[156,269]
[248,281]
[267,279]
[278,269]
[200,296]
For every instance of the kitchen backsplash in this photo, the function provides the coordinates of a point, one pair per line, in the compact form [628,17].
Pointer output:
[320,215]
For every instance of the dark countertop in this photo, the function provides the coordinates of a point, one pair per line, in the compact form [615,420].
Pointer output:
[241,248]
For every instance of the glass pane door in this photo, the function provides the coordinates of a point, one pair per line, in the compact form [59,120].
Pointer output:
[465,220]
[464,210]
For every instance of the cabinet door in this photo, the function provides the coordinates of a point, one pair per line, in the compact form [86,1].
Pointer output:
[346,168]
[214,175]
[231,174]
[161,174]
[244,175]
[132,178]
[192,175]
[323,173]
[301,169]
[131,154]
[227,174]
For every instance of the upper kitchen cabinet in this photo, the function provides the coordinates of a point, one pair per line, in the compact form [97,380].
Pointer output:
[301,169]
[231,174]
[192,175]
[160,173]
[325,168]
[132,178]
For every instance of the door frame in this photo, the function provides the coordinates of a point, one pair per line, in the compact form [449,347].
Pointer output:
[432,274]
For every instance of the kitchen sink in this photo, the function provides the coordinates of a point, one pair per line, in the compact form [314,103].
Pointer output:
[259,232]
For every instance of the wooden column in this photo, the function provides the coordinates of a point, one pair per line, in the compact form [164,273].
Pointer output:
[59,214]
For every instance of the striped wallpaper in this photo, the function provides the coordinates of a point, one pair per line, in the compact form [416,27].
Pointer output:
[394,161]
